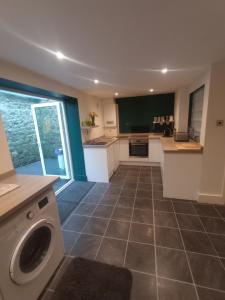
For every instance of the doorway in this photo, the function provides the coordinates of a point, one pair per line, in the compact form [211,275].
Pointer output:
[36,129]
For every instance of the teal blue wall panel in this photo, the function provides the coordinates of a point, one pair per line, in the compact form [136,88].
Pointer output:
[73,121]
[139,111]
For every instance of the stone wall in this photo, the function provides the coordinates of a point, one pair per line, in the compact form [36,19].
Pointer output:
[20,131]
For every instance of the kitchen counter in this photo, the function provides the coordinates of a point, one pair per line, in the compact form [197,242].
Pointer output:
[168,143]
[94,143]
[29,187]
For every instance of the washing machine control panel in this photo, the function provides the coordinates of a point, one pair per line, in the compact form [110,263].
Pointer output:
[30,215]
[43,202]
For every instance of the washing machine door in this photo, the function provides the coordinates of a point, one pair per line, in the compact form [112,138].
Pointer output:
[33,252]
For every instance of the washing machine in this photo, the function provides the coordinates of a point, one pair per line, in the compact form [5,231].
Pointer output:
[31,248]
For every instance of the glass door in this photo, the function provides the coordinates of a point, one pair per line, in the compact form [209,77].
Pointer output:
[49,122]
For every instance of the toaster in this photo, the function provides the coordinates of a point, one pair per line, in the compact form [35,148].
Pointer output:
[181,136]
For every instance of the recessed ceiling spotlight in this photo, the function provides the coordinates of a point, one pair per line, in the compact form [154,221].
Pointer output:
[116,94]
[151,90]
[59,55]
[96,81]
[164,71]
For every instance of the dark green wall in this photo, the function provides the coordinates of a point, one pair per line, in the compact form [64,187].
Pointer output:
[139,111]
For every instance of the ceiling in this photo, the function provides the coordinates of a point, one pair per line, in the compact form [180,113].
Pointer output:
[124,44]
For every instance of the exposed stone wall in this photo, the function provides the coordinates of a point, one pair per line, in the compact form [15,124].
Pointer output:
[20,131]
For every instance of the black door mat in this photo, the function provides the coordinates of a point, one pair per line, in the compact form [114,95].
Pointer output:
[90,280]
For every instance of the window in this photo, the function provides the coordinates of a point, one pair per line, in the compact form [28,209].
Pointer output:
[195,113]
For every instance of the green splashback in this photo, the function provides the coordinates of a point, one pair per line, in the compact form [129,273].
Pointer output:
[139,111]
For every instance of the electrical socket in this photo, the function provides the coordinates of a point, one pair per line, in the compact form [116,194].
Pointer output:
[219,123]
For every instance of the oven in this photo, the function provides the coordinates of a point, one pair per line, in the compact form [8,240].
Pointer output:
[138,147]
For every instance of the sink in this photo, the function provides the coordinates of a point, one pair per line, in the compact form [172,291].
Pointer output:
[96,143]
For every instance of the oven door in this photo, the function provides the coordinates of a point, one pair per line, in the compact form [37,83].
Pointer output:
[138,149]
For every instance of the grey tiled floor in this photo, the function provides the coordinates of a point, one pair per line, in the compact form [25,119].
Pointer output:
[174,248]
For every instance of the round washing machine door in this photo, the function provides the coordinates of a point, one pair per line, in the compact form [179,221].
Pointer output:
[33,252]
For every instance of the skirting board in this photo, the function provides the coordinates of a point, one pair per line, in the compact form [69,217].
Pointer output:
[139,163]
[211,198]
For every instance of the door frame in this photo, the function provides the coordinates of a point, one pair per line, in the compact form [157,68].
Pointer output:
[63,136]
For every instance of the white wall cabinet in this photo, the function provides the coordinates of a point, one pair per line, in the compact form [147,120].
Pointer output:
[109,110]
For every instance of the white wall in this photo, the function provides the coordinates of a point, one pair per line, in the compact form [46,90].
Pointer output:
[86,102]
[181,107]
[5,158]
[213,163]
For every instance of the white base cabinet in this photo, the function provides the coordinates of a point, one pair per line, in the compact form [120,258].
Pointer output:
[100,163]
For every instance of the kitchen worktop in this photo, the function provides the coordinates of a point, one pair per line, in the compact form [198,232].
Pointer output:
[29,187]
[168,143]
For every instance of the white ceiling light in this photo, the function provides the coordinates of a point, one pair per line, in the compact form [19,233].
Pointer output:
[59,55]
[164,71]
[116,94]
[151,90]
[96,81]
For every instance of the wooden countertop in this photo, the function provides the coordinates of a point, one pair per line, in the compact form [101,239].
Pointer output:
[168,143]
[29,187]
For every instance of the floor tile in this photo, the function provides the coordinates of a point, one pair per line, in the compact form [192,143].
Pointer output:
[85,209]
[145,179]
[184,207]
[143,287]
[69,238]
[131,179]
[207,271]
[122,213]
[112,251]
[207,294]
[113,191]
[76,223]
[144,194]
[221,210]
[95,226]
[143,203]
[168,237]
[125,201]
[163,205]
[128,193]
[157,187]
[130,185]
[174,290]
[206,210]
[103,211]
[86,246]
[118,229]
[142,233]
[144,186]
[173,264]
[219,243]
[158,195]
[165,219]
[92,198]
[189,222]
[109,199]
[213,225]
[140,257]
[143,216]
[197,242]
